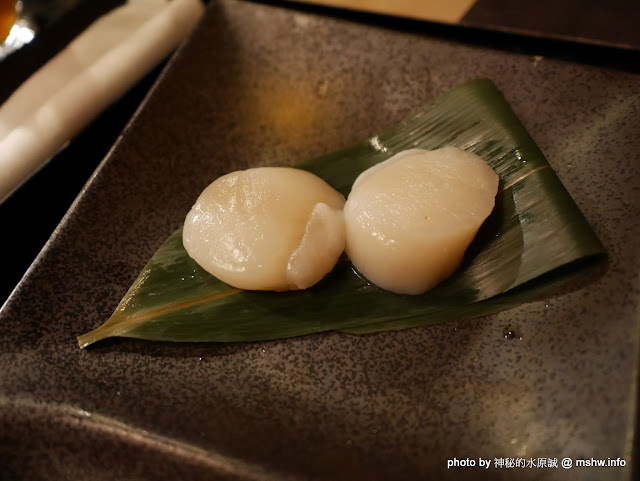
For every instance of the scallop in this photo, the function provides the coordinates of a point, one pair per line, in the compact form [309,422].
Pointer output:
[410,219]
[267,228]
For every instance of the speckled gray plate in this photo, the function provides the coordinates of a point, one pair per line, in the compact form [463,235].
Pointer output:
[260,84]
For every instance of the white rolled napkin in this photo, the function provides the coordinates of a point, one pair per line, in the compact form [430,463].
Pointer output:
[93,71]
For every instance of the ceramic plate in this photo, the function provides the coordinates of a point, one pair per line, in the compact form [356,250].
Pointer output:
[265,85]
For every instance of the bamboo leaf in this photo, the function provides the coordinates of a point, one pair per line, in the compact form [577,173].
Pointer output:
[535,239]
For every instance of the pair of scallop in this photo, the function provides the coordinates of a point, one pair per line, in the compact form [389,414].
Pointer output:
[405,226]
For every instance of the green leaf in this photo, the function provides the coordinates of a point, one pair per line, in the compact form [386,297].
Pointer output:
[535,239]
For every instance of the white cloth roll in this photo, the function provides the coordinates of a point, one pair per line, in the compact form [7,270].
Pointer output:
[94,70]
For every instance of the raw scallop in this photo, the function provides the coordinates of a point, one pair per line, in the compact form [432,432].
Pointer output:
[410,218]
[268,228]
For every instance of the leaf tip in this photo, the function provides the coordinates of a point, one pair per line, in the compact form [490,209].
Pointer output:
[83,341]
[90,337]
